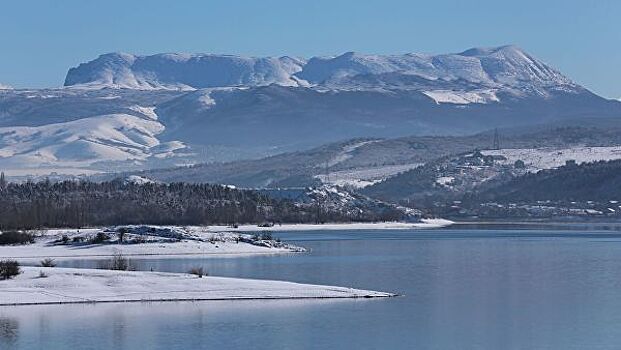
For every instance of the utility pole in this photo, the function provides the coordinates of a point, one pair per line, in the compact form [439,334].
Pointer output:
[327,173]
[496,140]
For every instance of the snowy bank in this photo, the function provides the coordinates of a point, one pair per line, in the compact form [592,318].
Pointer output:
[424,224]
[94,286]
[174,241]
[143,241]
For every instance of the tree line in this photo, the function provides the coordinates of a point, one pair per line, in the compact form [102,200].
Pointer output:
[597,181]
[45,204]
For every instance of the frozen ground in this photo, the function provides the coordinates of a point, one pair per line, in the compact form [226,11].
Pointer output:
[62,285]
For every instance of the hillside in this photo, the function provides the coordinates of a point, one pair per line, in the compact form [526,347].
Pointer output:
[451,176]
[363,162]
[596,181]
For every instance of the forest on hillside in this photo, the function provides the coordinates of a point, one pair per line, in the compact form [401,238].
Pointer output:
[596,182]
[46,204]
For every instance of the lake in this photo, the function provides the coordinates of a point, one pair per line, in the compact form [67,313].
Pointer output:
[461,287]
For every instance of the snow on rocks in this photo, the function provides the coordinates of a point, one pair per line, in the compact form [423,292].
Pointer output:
[66,286]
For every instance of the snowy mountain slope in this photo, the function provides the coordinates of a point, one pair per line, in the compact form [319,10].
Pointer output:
[229,124]
[297,117]
[84,142]
[32,107]
[183,71]
[506,67]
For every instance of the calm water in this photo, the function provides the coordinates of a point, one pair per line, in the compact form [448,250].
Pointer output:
[463,289]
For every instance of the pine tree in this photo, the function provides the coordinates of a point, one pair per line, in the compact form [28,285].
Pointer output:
[3,182]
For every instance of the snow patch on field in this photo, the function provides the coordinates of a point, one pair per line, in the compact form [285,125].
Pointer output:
[146,111]
[363,177]
[462,97]
[62,285]
[445,180]
[139,180]
[346,152]
[547,158]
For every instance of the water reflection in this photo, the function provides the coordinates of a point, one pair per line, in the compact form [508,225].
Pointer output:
[463,290]
[9,330]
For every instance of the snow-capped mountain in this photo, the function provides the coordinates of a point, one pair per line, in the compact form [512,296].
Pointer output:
[483,70]
[183,71]
[122,111]
[502,67]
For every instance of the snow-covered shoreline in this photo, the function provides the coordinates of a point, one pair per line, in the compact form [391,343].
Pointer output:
[201,241]
[45,285]
[166,241]
[357,226]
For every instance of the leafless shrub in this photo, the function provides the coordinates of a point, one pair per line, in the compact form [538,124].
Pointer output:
[198,271]
[118,262]
[47,262]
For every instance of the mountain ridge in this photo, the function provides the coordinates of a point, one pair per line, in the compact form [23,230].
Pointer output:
[495,67]
[123,70]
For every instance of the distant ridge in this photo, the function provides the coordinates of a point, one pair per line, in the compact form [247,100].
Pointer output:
[505,66]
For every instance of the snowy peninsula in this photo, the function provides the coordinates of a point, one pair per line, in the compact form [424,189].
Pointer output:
[50,285]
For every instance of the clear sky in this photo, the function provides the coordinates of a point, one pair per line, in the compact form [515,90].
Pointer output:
[41,39]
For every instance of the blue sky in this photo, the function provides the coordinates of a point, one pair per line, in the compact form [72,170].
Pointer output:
[40,40]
